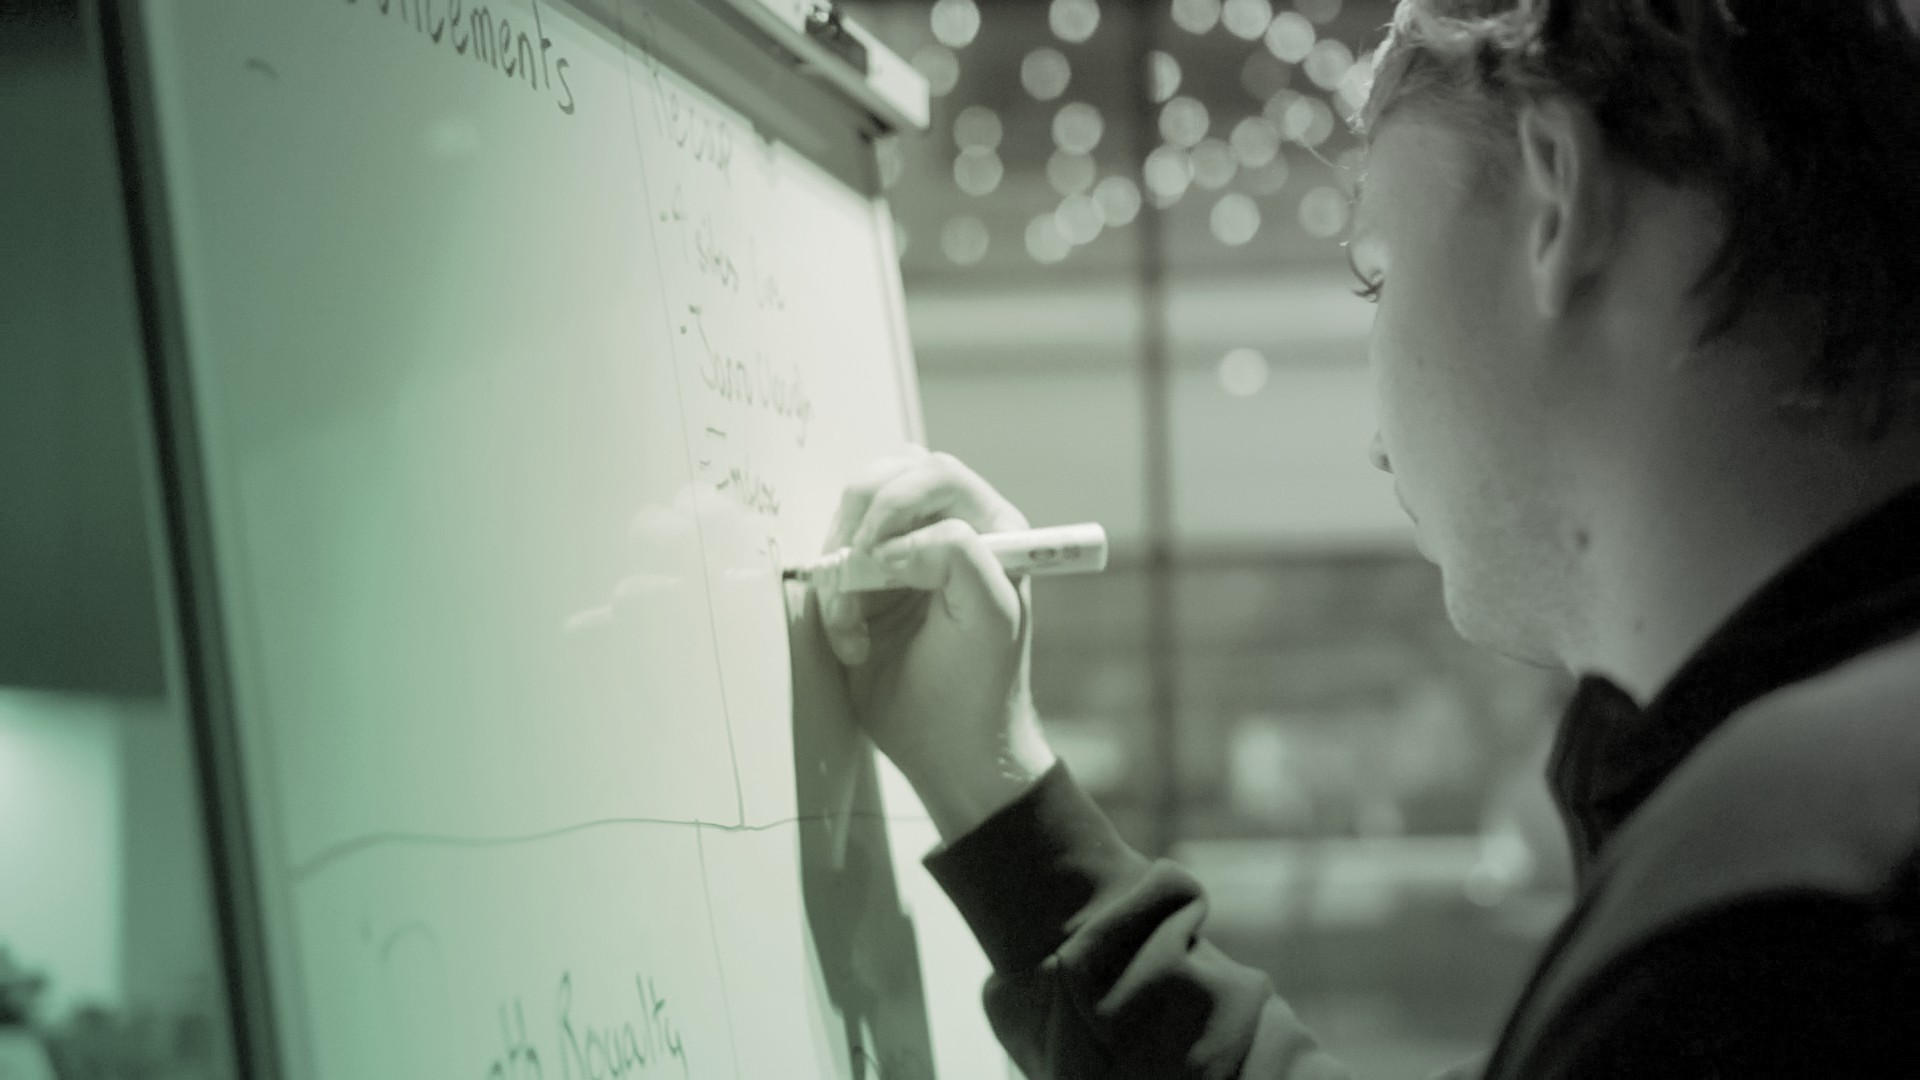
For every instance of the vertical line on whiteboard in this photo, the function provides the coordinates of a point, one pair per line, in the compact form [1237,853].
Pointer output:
[673,349]
[713,935]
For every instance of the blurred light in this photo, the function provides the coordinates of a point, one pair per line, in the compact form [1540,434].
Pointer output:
[1505,864]
[1167,172]
[1320,11]
[1246,19]
[978,126]
[1235,219]
[1327,64]
[892,160]
[1243,372]
[1183,121]
[1196,16]
[1045,73]
[1119,200]
[1080,219]
[1077,127]
[1290,37]
[955,22]
[1323,213]
[900,238]
[1271,178]
[1275,110]
[1263,74]
[977,171]
[1355,86]
[941,69]
[1254,141]
[1163,75]
[1307,120]
[1073,20]
[1213,164]
[964,239]
[1069,173]
[1045,242]
[1379,817]
[1263,775]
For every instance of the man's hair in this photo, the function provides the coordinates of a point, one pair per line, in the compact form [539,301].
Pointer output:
[1801,117]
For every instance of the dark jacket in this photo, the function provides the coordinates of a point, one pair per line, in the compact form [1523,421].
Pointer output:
[1747,854]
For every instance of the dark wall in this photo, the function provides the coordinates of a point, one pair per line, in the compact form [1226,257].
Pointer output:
[77,599]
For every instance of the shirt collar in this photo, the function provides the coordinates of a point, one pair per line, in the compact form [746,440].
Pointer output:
[1852,592]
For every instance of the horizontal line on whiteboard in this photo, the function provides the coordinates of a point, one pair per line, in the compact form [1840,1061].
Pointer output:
[343,849]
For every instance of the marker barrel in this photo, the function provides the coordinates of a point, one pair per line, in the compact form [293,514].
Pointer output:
[1057,549]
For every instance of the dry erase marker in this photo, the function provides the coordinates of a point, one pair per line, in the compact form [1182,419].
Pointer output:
[1058,549]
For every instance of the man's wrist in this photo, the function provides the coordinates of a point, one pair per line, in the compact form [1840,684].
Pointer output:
[961,793]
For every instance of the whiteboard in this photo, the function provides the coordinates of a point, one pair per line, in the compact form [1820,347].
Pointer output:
[517,361]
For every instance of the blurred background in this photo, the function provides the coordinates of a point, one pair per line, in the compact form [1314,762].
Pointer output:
[1121,246]
[1120,241]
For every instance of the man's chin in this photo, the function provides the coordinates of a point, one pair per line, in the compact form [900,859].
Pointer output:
[1420,542]
[1483,628]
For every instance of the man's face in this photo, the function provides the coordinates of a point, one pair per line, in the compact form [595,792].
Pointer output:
[1459,352]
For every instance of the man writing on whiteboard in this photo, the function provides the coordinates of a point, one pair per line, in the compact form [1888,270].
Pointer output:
[1647,357]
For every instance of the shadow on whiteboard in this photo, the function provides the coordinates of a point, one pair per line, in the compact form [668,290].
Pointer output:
[862,933]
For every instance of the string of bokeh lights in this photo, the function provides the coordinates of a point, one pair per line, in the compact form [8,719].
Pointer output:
[1238,158]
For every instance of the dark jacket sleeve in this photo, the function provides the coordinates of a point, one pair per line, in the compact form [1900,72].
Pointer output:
[1099,969]
[1786,984]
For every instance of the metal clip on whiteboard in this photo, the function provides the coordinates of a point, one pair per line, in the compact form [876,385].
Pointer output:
[840,52]
[825,26]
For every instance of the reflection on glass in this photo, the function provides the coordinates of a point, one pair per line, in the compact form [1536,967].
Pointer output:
[108,961]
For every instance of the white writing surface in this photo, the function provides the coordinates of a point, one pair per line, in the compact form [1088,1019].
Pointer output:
[518,364]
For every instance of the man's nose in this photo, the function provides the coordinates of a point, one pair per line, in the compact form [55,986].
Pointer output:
[1377,453]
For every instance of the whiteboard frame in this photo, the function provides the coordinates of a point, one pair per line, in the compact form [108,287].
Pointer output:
[891,89]
[198,667]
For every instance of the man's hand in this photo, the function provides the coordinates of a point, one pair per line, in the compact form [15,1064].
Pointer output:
[938,672]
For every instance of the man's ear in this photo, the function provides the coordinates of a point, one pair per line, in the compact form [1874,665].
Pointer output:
[1571,189]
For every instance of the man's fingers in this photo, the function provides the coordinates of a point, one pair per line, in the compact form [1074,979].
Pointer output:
[938,486]
[949,558]
[843,617]
[946,558]
[860,492]
[842,614]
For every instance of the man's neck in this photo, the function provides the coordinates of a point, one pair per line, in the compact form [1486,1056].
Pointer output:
[1686,528]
